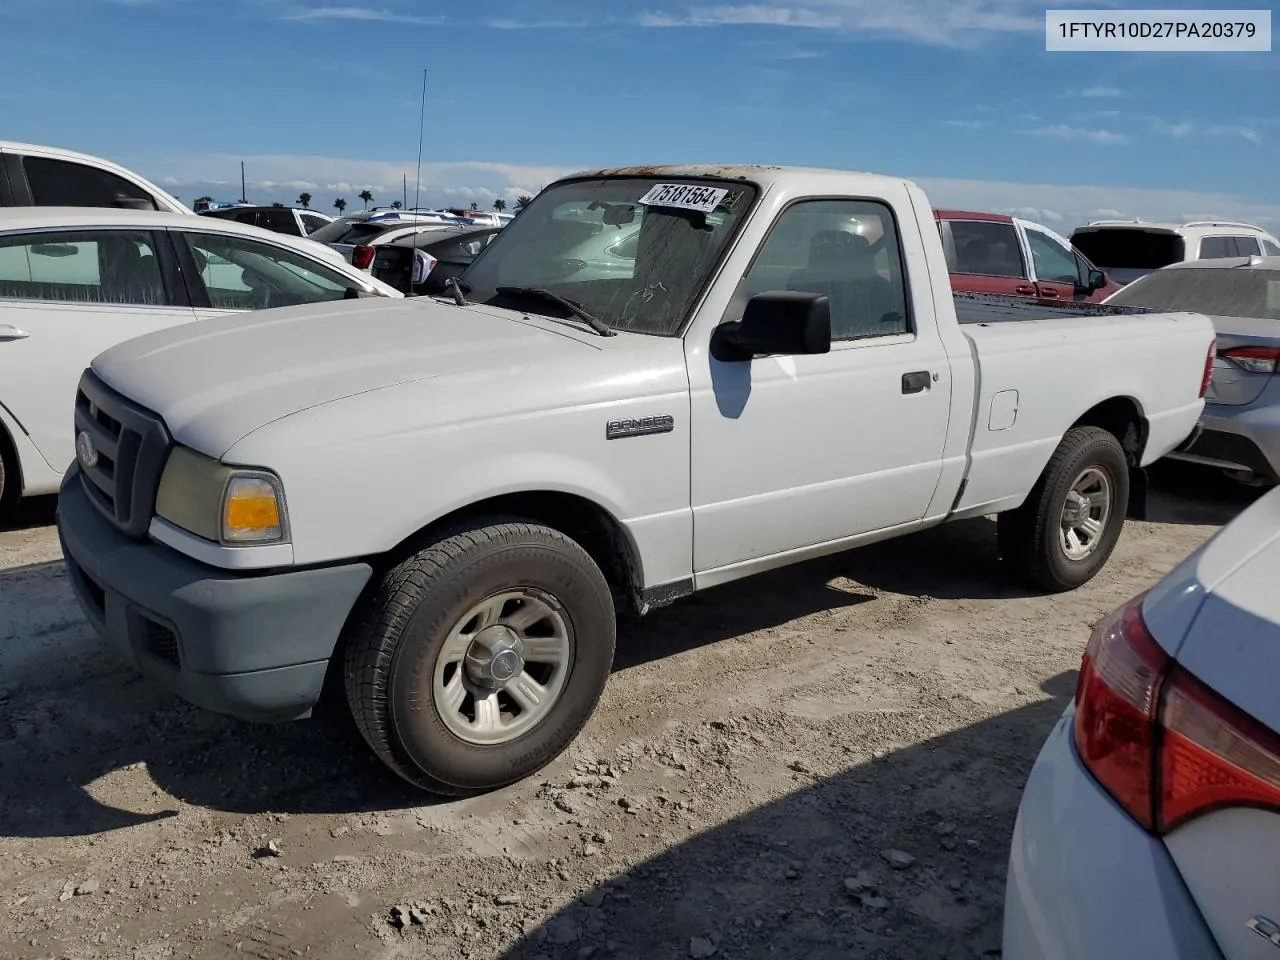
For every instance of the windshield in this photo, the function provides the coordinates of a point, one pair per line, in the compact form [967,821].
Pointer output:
[616,247]
[1217,292]
[1129,249]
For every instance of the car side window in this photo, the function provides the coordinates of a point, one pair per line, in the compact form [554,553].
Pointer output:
[243,274]
[1053,262]
[61,183]
[83,266]
[311,223]
[1247,247]
[279,221]
[845,250]
[987,249]
[1270,249]
[1217,248]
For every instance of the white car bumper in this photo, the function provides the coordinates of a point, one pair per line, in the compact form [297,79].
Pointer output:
[1085,881]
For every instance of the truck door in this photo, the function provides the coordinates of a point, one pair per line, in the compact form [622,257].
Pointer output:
[984,256]
[790,452]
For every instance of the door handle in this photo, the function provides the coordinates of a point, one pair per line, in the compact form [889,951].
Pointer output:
[9,332]
[1049,293]
[1025,290]
[915,382]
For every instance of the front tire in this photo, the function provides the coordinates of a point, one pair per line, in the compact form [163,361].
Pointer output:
[1066,530]
[478,660]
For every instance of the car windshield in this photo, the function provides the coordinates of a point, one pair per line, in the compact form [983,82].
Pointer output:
[1214,291]
[634,252]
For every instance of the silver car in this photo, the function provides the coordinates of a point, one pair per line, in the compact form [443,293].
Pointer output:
[1239,431]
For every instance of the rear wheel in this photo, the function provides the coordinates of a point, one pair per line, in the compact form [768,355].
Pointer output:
[478,660]
[1065,531]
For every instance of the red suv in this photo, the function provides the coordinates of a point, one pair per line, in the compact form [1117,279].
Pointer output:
[997,253]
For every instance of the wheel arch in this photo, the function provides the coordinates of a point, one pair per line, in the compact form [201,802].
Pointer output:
[1124,418]
[592,526]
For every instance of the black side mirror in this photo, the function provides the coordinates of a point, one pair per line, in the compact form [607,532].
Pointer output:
[1097,280]
[779,323]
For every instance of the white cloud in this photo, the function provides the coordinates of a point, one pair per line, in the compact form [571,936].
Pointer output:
[1100,91]
[1252,134]
[1062,131]
[357,13]
[504,24]
[283,177]
[1177,130]
[1074,205]
[949,23]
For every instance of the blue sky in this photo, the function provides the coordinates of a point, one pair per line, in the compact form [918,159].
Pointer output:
[323,95]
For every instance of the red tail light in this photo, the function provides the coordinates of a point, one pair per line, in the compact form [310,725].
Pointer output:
[1163,745]
[362,256]
[1208,372]
[1254,359]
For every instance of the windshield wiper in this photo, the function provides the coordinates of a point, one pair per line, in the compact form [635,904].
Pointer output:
[596,324]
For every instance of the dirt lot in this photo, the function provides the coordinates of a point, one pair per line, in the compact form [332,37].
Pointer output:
[759,753]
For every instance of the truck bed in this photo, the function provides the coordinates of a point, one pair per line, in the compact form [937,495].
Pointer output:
[985,308]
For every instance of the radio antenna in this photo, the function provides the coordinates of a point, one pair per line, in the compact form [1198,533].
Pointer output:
[422,113]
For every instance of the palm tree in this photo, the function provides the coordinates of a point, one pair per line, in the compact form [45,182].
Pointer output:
[474,205]
[523,201]
[395,204]
[304,201]
[367,197]
[340,205]
[499,204]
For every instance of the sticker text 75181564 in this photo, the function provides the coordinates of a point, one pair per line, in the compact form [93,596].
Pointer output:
[686,196]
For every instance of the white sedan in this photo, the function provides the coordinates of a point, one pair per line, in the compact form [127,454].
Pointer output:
[75,281]
[1148,827]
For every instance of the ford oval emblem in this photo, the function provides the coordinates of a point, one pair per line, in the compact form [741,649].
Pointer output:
[86,451]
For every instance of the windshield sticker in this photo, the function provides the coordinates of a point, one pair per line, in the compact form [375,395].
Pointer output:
[684,196]
[1273,294]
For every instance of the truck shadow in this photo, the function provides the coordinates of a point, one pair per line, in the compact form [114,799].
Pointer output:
[771,882]
[31,513]
[1184,493]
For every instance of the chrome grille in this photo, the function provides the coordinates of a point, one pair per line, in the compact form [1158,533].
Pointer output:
[131,444]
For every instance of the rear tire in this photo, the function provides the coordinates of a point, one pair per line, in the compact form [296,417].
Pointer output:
[429,650]
[1063,534]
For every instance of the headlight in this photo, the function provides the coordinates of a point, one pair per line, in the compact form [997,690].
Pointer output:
[230,505]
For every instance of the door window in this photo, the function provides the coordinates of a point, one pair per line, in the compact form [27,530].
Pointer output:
[987,248]
[312,223]
[846,250]
[103,266]
[61,183]
[1217,247]
[1054,263]
[1247,247]
[242,274]
[1270,249]
[279,221]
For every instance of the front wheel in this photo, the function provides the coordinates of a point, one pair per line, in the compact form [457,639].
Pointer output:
[478,660]
[1065,531]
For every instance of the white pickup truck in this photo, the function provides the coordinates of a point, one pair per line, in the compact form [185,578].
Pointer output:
[447,502]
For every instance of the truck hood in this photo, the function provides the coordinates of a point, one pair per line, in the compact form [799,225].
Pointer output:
[215,381]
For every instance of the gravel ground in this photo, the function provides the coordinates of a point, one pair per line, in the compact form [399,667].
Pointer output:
[820,762]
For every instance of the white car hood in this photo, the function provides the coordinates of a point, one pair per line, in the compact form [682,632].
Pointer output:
[216,381]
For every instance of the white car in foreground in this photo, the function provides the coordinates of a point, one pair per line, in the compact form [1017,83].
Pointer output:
[1149,827]
[75,281]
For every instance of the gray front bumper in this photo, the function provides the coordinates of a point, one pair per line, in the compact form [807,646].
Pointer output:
[255,646]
